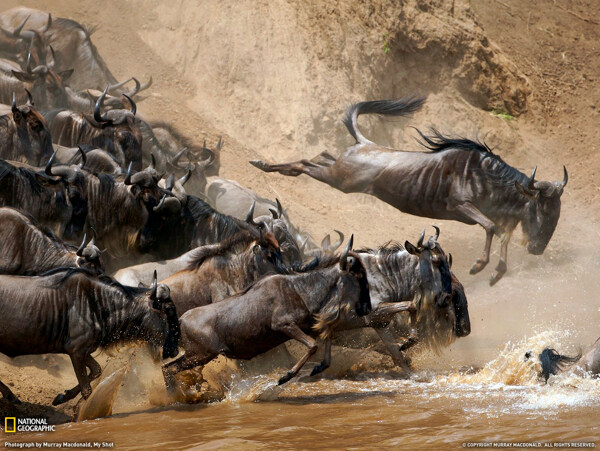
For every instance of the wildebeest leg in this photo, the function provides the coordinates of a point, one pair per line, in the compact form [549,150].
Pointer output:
[501,268]
[395,350]
[317,168]
[8,394]
[326,359]
[95,372]
[472,213]
[293,331]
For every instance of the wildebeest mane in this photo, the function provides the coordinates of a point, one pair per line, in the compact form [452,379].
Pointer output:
[201,212]
[497,170]
[68,272]
[202,253]
[24,174]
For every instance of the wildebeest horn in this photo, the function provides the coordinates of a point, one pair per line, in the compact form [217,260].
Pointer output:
[565,177]
[210,159]
[135,90]
[17,30]
[48,24]
[118,85]
[93,240]
[420,242]
[28,68]
[132,103]
[344,256]
[48,169]
[53,65]
[152,161]
[274,213]
[280,208]
[219,143]
[531,179]
[170,182]
[161,203]
[83,157]
[146,85]
[437,233]
[154,286]
[29,97]
[97,117]
[186,177]
[82,246]
[128,175]
[339,242]
[250,215]
[177,156]
[449,260]
[14,104]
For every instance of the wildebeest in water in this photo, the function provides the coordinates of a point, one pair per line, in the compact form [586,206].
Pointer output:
[457,179]
[69,311]
[272,311]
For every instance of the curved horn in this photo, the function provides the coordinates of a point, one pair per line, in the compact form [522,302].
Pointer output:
[219,144]
[344,256]
[118,85]
[437,233]
[53,65]
[127,180]
[250,215]
[160,204]
[145,85]
[83,157]
[280,208]
[154,286]
[210,159]
[48,24]
[170,182]
[97,117]
[152,162]
[339,242]
[177,156]
[93,240]
[135,90]
[274,213]
[531,179]
[29,97]
[186,177]
[48,169]
[420,242]
[565,177]
[17,30]
[14,103]
[82,246]
[28,67]
[132,103]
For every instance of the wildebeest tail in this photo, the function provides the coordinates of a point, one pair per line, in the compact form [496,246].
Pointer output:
[395,107]
[553,363]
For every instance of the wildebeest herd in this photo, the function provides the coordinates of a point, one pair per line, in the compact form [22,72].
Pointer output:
[89,188]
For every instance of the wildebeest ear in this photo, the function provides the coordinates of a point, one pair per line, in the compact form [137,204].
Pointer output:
[525,192]
[65,74]
[410,248]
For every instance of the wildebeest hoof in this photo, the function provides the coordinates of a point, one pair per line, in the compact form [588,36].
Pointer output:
[259,164]
[478,266]
[410,342]
[59,399]
[496,276]
[319,368]
[285,378]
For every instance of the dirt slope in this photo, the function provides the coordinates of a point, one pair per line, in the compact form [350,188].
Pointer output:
[274,77]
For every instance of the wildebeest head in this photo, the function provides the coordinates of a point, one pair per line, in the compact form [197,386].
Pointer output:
[76,189]
[434,271]
[89,256]
[267,253]
[160,296]
[355,284]
[462,327]
[47,85]
[552,363]
[543,210]
[33,135]
[120,131]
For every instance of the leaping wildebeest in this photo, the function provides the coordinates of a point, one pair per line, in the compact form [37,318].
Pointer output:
[272,311]
[69,311]
[27,249]
[457,179]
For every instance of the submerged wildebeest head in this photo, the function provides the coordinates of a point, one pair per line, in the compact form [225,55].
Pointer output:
[543,210]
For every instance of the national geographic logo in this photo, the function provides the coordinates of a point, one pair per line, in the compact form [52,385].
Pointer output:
[13,424]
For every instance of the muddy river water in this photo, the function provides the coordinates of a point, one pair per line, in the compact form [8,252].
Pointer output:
[502,402]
